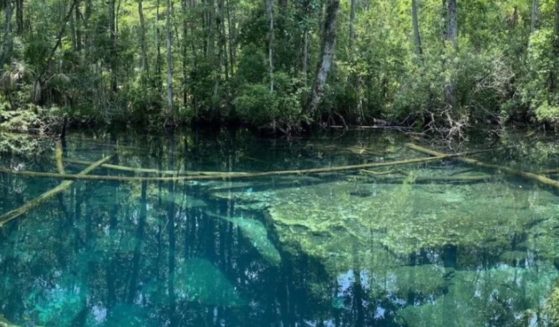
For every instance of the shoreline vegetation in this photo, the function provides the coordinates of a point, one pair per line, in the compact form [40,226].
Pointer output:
[280,67]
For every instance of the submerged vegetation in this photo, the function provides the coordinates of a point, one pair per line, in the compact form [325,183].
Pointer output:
[279,65]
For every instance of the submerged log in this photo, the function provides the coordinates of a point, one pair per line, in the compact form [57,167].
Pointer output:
[13,214]
[519,173]
[233,175]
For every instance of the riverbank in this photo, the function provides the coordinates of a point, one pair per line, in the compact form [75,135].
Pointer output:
[55,122]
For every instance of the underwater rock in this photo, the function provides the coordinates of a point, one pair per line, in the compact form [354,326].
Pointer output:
[256,232]
[379,233]
[328,222]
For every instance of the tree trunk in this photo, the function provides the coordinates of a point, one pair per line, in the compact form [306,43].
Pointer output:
[553,84]
[270,11]
[143,45]
[184,48]
[113,49]
[73,31]
[87,32]
[353,5]
[78,35]
[158,60]
[306,55]
[535,16]
[452,23]
[7,43]
[223,57]
[58,43]
[451,36]
[19,17]
[416,31]
[327,55]
[170,103]
[231,38]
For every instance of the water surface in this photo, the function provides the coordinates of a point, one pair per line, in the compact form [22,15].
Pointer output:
[433,244]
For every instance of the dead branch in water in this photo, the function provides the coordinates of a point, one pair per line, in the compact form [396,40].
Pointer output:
[549,172]
[427,180]
[234,175]
[13,214]
[526,175]
[144,170]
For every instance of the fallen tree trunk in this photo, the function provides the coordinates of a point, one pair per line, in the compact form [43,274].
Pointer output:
[233,175]
[13,214]
[549,172]
[526,175]
[144,170]
[428,180]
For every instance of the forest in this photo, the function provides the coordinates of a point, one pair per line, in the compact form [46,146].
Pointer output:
[280,66]
[241,163]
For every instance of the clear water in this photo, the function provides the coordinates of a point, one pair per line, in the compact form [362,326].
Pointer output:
[415,245]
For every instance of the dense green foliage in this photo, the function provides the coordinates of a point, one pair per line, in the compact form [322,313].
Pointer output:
[255,62]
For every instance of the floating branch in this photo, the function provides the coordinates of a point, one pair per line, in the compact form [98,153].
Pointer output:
[11,215]
[526,175]
[234,175]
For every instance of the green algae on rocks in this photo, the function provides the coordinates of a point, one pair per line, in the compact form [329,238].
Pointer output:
[345,222]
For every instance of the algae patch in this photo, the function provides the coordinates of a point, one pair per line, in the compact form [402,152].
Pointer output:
[394,221]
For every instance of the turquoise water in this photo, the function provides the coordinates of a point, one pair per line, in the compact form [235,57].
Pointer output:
[432,244]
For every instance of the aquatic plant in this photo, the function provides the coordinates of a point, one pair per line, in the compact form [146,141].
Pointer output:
[344,222]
